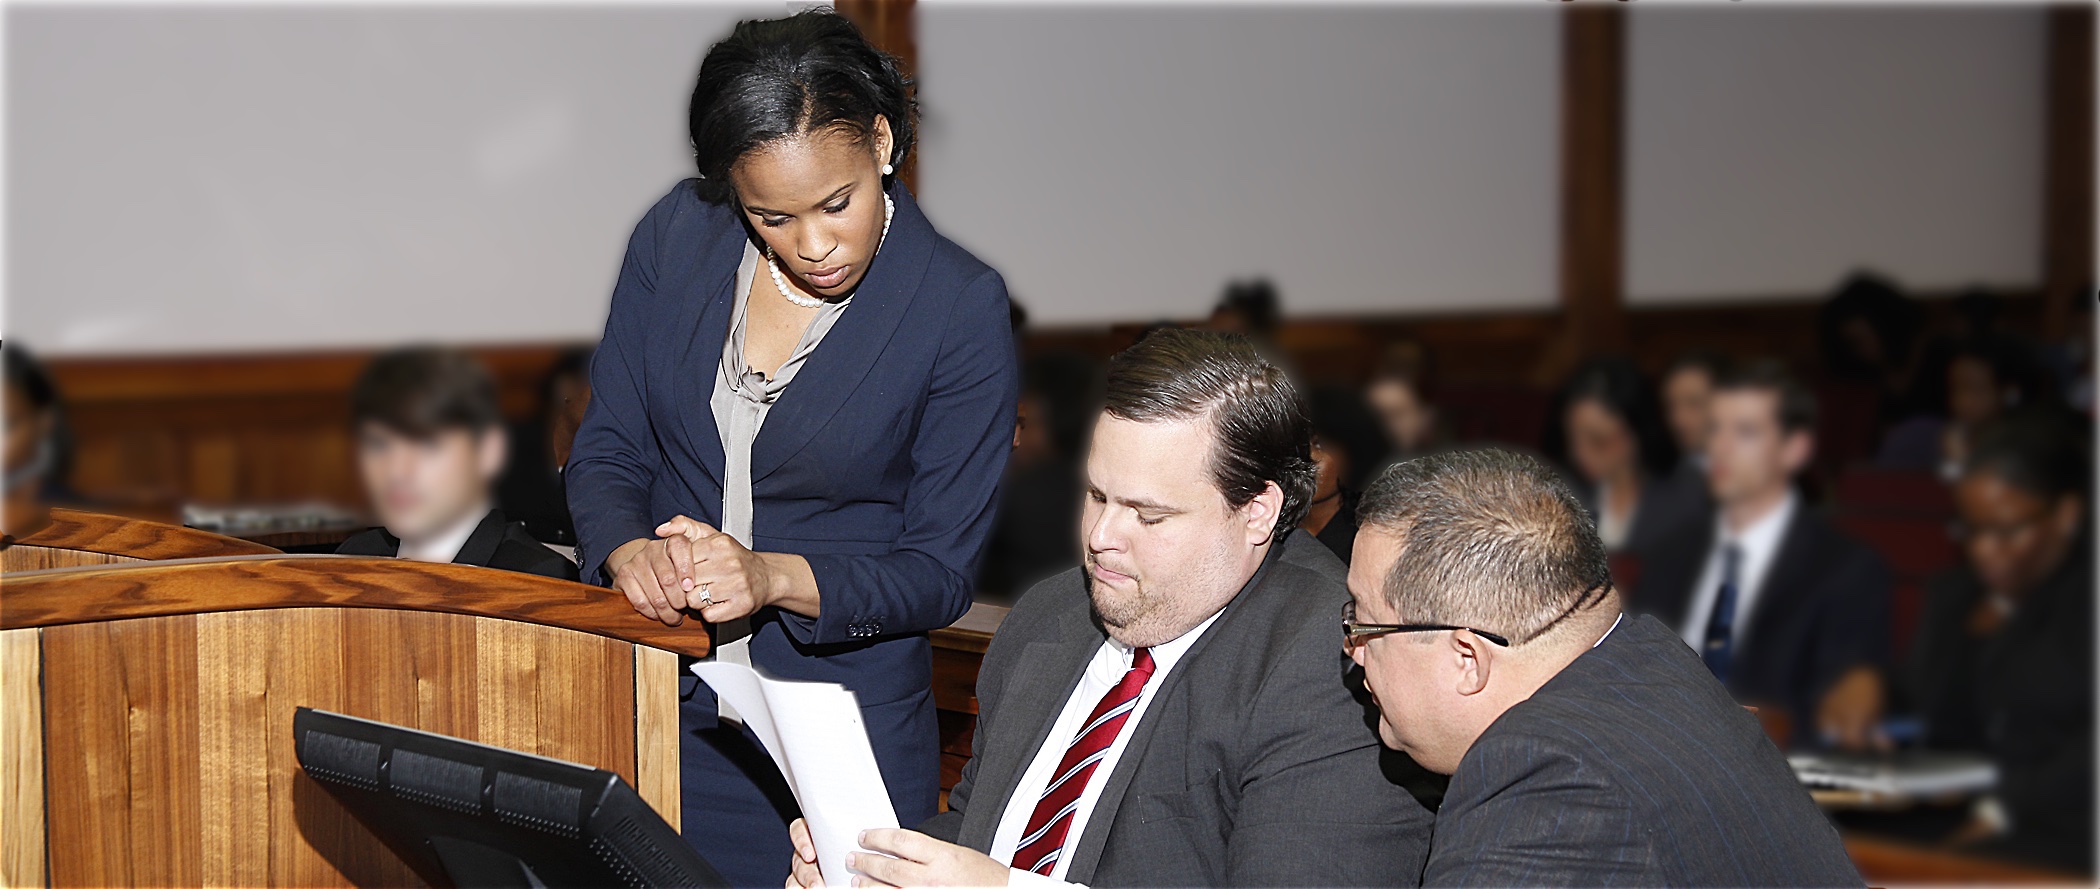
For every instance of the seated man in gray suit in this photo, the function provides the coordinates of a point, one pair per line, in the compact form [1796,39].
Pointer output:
[1175,711]
[1585,748]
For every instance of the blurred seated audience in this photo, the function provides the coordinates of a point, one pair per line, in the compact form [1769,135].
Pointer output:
[1250,307]
[1037,531]
[1343,433]
[1399,395]
[1979,378]
[1687,393]
[1869,332]
[36,451]
[531,491]
[1606,429]
[2003,660]
[1787,612]
[430,445]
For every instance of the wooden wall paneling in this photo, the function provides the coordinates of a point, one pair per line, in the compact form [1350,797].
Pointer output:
[656,683]
[889,24]
[1592,229]
[22,772]
[2067,192]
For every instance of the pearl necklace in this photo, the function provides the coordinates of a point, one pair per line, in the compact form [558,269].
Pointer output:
[889,209]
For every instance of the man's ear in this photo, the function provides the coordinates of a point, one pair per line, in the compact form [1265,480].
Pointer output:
[1475,658]
[1796,450]
[491,452]
[1261,514]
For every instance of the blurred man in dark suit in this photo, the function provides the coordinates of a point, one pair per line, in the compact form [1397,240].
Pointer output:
[1785,610]
[430,444]
[1585,747]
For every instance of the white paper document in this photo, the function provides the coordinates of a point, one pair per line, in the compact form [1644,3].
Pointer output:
[815,734]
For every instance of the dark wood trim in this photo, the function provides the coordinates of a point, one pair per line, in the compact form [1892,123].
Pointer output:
[66,596]
[2067,195]
[1592,235]
[891,26]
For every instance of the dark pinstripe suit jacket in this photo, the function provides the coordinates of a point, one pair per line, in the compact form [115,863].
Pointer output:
[1253,766]
[1633,767]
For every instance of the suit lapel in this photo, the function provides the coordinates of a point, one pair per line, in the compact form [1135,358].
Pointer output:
[707,316]
[1043,679]
[850,349]
[1793,571]
[481,545]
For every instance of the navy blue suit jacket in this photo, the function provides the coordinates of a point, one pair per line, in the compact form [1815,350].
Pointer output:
[879,465]
[1823,609]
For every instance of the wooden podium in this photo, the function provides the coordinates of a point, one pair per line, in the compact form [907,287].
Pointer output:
[147,708]
[73,538]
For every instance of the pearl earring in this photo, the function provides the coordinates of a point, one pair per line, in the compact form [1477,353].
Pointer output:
[887,169]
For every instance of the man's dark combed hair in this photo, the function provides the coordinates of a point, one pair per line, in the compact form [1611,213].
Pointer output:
[774,78]
[1490,539]
[1259,429]
[1714,364]
[1797,405]
[2038,449]
[420,391]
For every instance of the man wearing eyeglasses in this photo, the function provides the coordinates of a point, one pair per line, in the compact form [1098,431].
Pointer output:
[1585,747]
[1174,712]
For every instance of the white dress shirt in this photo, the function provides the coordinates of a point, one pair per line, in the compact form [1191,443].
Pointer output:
[444,546]
[1759,543]
[1110,662]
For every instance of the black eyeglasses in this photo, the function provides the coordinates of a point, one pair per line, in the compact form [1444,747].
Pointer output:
[1354,633]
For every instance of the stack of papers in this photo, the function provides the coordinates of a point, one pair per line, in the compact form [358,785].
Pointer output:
[814,732]
[1907,773]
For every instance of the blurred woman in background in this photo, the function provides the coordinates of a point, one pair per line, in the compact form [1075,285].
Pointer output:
[1606,428]
[2002,663]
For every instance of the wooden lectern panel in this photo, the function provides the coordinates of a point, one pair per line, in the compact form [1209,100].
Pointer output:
[75,538]
[167,755]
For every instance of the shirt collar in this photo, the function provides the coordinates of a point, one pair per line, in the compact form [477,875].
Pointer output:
[444,546]
[1765,532]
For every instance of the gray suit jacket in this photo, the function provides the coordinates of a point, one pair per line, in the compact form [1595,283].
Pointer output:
[1633,767]
[1254,765]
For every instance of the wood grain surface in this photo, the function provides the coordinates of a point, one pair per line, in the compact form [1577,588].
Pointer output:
[656,731]
[170,758]
[191,586]
[93,532]
[22,773]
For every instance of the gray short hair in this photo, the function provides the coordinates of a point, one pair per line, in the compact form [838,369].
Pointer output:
[1491,539]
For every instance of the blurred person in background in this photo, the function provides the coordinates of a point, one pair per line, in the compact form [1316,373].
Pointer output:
[1037,529]
[1977,379]
[430,445]
[1788,613]
[1606,428]
[1251,308]
[532,490]
[1687,395]
[1399,396]
[36,452]
[2002,663]
[1869,331]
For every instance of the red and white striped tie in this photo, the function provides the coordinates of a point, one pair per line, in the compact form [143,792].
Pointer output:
[1044,840]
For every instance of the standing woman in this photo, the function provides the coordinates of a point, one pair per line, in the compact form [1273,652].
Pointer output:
[801,409]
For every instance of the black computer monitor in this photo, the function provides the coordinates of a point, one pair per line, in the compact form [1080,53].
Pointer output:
[467,814]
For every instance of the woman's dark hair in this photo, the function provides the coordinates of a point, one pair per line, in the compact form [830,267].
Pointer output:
[1259,430]
[1619,387]
[774,78]
[2039,449]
